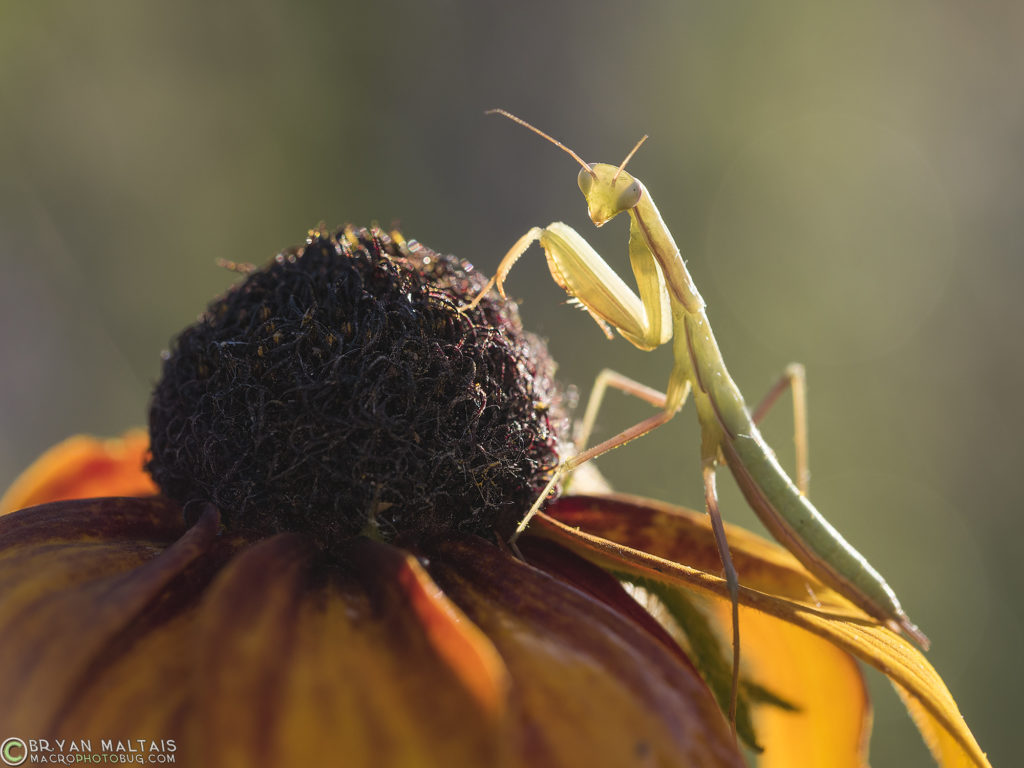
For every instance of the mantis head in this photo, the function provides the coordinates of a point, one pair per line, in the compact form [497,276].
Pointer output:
[609,190]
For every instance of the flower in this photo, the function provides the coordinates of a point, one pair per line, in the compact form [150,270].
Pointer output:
[291,608]
[122,622]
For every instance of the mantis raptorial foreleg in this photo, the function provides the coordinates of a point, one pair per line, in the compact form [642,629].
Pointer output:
[587,278]
[668,306]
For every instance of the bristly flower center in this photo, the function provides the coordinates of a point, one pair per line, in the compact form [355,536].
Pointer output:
[339,390]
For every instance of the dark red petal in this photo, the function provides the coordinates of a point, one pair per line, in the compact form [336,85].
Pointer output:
[80,592]
[590,685]
[599,584]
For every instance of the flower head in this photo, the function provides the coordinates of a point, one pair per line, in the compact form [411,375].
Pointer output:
[322,580]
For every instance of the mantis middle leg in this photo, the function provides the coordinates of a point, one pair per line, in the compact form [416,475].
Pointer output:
[793,378]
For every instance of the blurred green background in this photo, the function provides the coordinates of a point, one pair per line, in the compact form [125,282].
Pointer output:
[845,182]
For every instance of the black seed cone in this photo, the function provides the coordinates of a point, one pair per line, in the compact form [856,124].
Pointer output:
[339,388]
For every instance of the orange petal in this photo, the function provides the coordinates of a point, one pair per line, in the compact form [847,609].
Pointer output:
[661,528]
[301,664]
[590,685]
[457,640]
[83,467]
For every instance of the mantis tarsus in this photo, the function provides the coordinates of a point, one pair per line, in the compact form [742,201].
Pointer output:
[669,307]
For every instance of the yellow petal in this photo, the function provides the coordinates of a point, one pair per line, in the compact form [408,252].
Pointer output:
[832,723]
[829,616]
[943,744]
[83,467]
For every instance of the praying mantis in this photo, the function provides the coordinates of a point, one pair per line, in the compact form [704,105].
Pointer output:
[669,308]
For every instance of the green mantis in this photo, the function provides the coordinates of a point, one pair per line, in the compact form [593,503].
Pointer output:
[668,307]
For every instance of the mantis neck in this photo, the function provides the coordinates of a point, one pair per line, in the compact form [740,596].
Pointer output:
[698,359]
[647,218]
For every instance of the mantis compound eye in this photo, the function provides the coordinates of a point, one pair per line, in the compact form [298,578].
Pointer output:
[586,181]
[629,196]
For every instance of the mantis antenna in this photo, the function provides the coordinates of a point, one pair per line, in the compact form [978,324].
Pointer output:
[628,158]
[553,140]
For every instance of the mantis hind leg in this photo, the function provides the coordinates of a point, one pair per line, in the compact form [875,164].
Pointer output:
[793,378]
[731,579]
